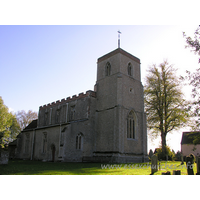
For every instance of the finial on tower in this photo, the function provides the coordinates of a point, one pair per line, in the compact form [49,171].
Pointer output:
[119,38]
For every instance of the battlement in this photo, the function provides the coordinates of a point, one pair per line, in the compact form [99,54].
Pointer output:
[69,99]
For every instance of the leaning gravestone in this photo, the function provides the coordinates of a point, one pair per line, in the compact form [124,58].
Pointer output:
[198,165]
[189,164]
[154,164]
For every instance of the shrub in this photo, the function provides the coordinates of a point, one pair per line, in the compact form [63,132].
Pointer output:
[161,156]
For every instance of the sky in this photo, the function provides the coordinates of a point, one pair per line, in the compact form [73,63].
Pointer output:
[43,64]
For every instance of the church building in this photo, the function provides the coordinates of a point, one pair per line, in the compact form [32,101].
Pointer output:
[104,125]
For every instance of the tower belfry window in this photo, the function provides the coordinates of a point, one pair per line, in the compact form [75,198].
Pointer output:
[130,70]
[108,69]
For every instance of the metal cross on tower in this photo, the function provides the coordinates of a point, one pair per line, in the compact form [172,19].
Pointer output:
[119,38]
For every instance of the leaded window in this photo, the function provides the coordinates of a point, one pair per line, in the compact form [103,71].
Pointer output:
[131,128]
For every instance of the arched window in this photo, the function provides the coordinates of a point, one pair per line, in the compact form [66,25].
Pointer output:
[131,125]
[108,69]
[79,141]
[130,70]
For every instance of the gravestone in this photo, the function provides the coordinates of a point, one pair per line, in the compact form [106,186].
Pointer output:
[189,164]
[176,172]
[150,153]
[166,173]
[154,164]
[198,165]
[182,162]
[4,157]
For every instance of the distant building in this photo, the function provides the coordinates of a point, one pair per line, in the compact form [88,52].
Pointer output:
[104,125]
[187,145]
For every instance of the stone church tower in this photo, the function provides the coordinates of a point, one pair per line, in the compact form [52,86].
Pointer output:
[120,119]
[104,125]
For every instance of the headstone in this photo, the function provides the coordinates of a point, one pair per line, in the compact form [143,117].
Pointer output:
[176,172]
[189,164]
[198,165]
[182,162]
[4,157]
[154,164]
[150,153]
[166,173]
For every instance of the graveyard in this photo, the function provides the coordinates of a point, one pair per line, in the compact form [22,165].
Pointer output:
[22,167]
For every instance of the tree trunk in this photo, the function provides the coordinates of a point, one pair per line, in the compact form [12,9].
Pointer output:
[163,139]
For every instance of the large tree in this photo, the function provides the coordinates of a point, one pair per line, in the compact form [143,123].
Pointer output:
[194,78]
[9,127]
[25,118]
[193,43]
[164,103]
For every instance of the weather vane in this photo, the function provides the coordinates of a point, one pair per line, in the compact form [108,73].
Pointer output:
[119,38]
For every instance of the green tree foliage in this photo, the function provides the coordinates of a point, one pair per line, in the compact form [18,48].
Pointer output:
[25,118]
[162,155]
[164,104]
[9,127]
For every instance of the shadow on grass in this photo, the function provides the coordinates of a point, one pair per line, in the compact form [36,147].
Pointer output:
[19,167]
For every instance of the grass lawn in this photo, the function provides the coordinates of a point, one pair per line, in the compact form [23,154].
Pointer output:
[20,167]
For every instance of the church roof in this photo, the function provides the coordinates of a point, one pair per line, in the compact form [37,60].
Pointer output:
[32,125]
[188,137]
[119,50]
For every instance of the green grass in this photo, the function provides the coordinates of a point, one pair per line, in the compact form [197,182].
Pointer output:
[20,167]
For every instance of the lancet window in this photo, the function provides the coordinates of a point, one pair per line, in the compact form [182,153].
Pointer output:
[131,125]
[108,69]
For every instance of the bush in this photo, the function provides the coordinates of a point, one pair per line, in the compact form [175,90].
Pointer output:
[161,156]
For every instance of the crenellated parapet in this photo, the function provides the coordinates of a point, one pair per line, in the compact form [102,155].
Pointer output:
[69,99]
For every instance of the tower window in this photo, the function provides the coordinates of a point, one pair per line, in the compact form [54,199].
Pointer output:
[108,69]
[130,70]
[131,128]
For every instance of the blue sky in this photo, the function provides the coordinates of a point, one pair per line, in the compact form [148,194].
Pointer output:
[42,64]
